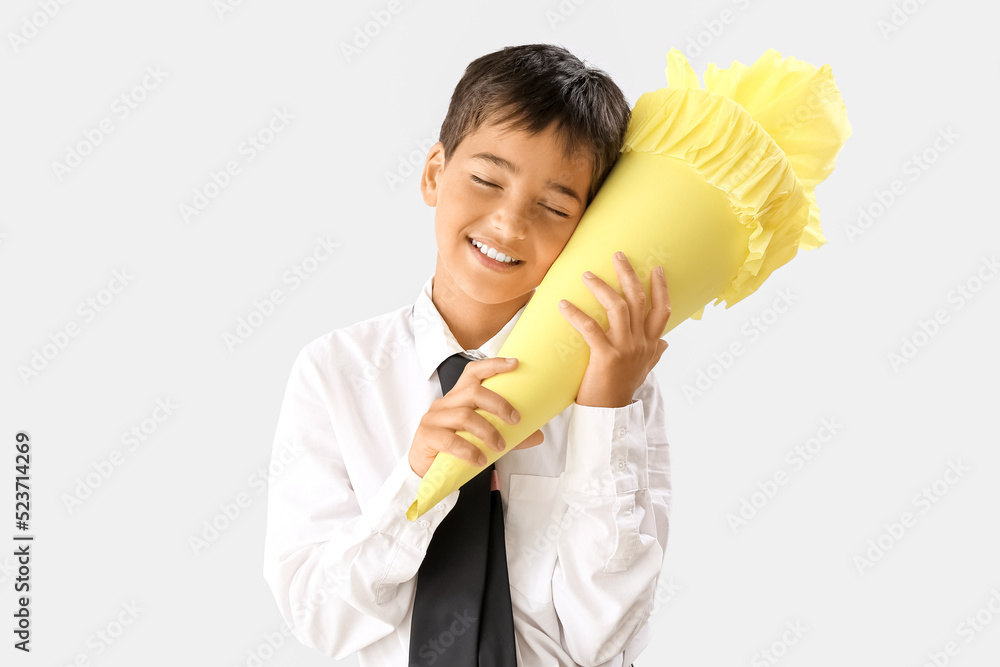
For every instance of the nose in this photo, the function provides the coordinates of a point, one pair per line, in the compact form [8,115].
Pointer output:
[510,219]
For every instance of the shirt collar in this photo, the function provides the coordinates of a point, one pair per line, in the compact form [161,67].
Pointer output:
[434,340]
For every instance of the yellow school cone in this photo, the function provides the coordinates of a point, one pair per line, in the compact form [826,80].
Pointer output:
[715,184]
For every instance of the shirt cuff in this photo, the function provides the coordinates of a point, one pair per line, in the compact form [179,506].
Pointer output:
[606,450]
[386,512]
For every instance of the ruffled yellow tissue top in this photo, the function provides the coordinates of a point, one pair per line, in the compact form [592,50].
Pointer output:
[714,183]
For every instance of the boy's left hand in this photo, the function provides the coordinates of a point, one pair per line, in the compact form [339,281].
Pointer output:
[622,357]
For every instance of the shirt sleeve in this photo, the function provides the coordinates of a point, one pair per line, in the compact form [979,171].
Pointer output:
[342,577]
[617,490]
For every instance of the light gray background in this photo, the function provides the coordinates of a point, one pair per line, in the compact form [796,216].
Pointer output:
[724,596]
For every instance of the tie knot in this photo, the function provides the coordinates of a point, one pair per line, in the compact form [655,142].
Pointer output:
[450,370]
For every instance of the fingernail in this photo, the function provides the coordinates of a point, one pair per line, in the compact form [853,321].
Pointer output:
[563,303]
[659,270]
[588,274]
[481,460]
[620,255]
[511,360]
[516,416]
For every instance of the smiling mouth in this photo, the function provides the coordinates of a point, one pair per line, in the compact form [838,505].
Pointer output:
[487,258]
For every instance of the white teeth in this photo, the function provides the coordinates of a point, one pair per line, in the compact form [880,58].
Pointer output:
[492,253]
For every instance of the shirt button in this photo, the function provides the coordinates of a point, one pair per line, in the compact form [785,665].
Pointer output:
[621,432]
[424,523]
[621,464]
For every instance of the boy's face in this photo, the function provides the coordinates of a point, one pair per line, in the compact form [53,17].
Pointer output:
[515,192]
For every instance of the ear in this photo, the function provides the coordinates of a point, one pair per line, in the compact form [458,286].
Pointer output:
[433,169]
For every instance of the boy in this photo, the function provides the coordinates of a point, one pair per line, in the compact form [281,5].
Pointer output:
[528,139]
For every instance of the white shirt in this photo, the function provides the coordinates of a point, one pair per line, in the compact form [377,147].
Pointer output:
[586,512]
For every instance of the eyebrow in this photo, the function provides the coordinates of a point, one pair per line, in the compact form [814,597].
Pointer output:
[509,166]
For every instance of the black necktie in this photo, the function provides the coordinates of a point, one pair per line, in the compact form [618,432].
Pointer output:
[462,615]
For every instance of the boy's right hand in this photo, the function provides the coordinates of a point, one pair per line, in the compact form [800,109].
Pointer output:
[456,411]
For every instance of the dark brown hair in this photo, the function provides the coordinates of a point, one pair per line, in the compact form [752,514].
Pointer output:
[529,87]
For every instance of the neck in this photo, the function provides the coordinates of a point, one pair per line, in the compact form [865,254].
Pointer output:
[471,322]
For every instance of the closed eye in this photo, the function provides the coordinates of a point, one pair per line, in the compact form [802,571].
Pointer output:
[559,213]
[476,179]
[479,181]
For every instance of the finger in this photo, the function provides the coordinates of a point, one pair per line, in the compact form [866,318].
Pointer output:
[461,448]
[619,319]
[494,403]
[635,297]
[467,419]
[659,314]
[532,440]
[479,370]
[587,326]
